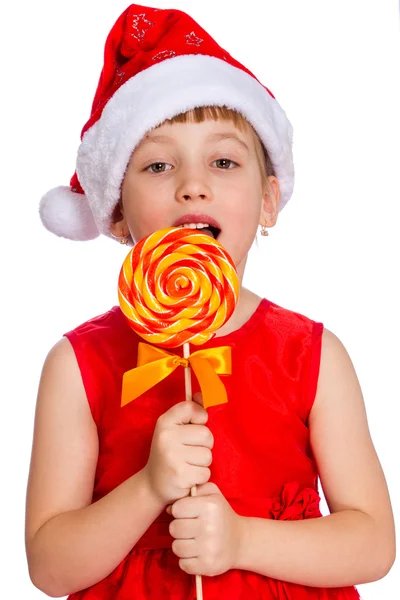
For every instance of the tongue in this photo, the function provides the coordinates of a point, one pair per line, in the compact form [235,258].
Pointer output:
[206,231]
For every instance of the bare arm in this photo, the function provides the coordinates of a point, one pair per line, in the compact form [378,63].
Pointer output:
[71,544]
[356,543]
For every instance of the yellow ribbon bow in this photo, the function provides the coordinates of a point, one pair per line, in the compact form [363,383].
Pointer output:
[154,364]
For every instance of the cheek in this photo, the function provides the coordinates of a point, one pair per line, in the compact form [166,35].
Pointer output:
[245,188]
[133,197]
[245,204]
[144,210]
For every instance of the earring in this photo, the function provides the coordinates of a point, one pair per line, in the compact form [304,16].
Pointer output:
[123,240]
[264,230]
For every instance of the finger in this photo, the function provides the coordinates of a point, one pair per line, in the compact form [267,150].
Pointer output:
[198,456]
[184,548]
[196,435]
[184,529]
[187,508]
[191,566]
[206,489]
[186,412]
[198,398]
[199,475]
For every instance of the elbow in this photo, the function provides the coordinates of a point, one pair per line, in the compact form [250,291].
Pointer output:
[388,552]
[45,581]
[387,564]
[47,587]
[383,561]
[43,571]
[378,549]
[378,571]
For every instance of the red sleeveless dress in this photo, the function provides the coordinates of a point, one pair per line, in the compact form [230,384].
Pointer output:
[262,460]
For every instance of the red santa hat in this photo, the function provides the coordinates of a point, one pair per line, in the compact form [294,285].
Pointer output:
[157,64]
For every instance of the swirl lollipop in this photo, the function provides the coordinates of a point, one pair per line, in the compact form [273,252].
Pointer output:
[178,286]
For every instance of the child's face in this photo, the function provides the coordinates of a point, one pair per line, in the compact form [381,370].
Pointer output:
[210,169]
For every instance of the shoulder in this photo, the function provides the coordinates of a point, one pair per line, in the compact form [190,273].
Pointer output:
[332,346]
[61,367]
[337,375]
[339,404]
[61,390]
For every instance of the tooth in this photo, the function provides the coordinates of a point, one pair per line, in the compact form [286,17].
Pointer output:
[195,225]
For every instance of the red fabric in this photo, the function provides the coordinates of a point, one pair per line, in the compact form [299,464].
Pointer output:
[262,460]
[142,37]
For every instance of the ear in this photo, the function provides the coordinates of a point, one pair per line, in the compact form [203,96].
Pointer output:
[270,202]
[118,226]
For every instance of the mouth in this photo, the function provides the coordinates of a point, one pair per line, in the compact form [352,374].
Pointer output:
[204,223]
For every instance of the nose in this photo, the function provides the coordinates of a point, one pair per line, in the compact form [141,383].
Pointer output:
[194,187]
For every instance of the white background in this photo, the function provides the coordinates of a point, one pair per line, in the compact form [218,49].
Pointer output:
[333,256]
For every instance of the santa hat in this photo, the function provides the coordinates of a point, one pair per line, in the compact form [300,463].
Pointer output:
[157,64]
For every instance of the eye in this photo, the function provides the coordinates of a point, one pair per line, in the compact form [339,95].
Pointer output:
[159,167]
[225,163]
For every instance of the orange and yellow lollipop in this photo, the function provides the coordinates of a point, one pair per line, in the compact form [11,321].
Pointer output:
[177,286]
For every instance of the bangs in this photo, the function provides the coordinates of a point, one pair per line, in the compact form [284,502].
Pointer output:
[213,113]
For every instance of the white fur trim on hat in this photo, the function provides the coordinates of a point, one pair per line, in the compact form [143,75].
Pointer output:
[67,214]
[161,92]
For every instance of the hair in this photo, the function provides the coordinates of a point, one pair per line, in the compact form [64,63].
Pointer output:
[219,113]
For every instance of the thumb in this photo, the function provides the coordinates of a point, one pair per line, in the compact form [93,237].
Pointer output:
[198,398]
[206,489]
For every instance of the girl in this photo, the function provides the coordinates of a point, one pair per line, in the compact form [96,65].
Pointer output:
[181,134]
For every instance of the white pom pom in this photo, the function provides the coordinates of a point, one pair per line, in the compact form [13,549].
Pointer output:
[68,214]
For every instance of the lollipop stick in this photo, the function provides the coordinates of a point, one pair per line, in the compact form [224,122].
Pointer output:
[188,390]
[189,398]
[188,381]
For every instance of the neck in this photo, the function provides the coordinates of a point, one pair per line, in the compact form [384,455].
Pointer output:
[245,308]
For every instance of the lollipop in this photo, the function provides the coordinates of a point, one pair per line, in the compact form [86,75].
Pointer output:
[178,286]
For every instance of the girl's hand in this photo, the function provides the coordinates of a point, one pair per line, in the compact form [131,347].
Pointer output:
[180,453]
[207,532]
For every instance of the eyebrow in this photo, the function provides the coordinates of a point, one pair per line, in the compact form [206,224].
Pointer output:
[216,137]
[219,137]
[156,139]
